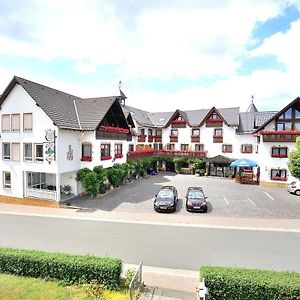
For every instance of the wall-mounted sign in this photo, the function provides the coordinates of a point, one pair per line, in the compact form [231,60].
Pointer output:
[50,145]
[70,153]
[50,135]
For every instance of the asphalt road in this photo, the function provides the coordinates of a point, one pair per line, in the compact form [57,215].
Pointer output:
[176,247]
[225,197]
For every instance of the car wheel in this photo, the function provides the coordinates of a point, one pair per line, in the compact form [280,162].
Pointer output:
[297,192]
[205,210]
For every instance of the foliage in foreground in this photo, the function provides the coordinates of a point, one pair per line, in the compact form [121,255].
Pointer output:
[65,267]
[245,284]
[294,160]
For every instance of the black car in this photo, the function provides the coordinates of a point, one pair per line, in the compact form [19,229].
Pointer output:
[166,199]
[196,200]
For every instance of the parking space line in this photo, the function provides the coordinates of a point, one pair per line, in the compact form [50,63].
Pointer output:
[225,200]
[269,196]
[251,202]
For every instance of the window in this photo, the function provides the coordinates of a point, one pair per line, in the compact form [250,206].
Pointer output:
[171,147]
[158,132]
[289,120]
[278,174]
[174,132]
[218,132]
[5,123]
[199,147]
[279,152]
[27,122]
[195,132]
[142,131]
[15,151]
[214,116]
[86,152]
[27,152]
[155,146]
[160,146]
[184,147]
[15,122]
[105,152]
[39,155]
[118,150]
[131,147]
[246,148]
[6,180]
[150,132]
[227,148]
[36,180]
[6,151]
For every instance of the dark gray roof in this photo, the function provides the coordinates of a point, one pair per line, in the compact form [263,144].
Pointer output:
[160,119]
[92,110]
[252,108]
[231,115]
[141,116]
[65,110]
[249,121]
[196,116]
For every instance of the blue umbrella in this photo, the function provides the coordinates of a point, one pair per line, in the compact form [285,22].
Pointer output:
[243,162]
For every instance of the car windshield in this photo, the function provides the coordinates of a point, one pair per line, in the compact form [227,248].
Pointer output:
[196,195]
[293,183]
[165,194]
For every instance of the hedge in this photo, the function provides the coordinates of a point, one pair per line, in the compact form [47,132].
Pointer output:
[245,284]
[66,267]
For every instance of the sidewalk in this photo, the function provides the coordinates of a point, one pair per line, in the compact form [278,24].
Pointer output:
[202,220]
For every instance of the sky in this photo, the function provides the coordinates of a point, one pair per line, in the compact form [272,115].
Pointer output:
[168,54]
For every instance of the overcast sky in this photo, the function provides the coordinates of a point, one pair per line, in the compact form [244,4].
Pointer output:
[169,54]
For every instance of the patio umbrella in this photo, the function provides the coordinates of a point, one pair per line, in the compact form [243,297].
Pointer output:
[243,162]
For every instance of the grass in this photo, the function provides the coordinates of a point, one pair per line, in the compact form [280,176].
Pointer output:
[25,288]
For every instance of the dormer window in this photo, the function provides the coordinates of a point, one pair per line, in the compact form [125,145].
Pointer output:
[289,120]
[214,116]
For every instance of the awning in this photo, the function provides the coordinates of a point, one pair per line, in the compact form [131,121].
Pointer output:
[243,162]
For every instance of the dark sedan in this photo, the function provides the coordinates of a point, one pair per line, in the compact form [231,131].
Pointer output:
[166,199]
[196,200]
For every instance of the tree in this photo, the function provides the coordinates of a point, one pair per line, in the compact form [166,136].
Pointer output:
[294,160]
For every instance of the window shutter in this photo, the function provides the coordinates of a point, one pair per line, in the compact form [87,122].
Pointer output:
[5,123]
[15,122]
[27,118]
[15,149]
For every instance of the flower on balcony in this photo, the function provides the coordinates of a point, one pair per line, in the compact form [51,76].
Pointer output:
[218,136]
[86,158]
[279,155]
[116,129]
[279,178]
[173,136]
[158,136]
[270,132]
[214,120]
[105,157]
[178,122]
[142,135]
[246,151]
[120,155]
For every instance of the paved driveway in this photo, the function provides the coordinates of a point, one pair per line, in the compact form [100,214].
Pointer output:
[225,197]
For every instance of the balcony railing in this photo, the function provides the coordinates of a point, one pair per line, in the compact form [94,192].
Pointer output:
[178,124]
[132,155]
[41,193]
[214,123]
[173,138]
[157,138]
[218,139]
[150,138]
[142,138]
[195,138]
[280,135]
[102,133]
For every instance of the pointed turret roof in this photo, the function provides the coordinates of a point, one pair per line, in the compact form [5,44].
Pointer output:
[252,107]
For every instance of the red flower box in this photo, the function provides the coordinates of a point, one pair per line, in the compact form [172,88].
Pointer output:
[270,132]
[119,155]
[280,155]
[214,120]
[173,136]
[217,135]
[105,157]
[86,158]
[178,122]
[142,135]
[279,178]
[116,129]
[247,151]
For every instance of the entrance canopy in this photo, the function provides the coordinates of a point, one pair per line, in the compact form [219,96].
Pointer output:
[243,162]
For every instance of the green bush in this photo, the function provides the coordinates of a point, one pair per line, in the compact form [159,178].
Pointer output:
[65,267]
[114,175]
[80,174]
[101,176]
[246,284]
[179,162]
[91,183]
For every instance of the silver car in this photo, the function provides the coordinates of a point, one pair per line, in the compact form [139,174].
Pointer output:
[294,188]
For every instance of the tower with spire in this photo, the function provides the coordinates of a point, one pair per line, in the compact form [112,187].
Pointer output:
[252,107]
[122,96]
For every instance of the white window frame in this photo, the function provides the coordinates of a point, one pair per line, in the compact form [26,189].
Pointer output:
[6,185]
[36,158]
[6,157]
[27,158]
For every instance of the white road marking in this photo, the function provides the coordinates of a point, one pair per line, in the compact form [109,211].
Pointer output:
[269,196]
[225,200]
[251,202]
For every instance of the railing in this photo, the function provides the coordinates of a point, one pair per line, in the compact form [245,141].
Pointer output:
[112,135]
[41,193]
[136,282]
[132,155]
[280,135]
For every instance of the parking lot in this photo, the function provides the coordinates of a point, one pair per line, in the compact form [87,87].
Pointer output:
[225,197]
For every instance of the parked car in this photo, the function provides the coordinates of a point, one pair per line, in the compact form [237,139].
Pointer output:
[166,199]
[195,199]
[294,187]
